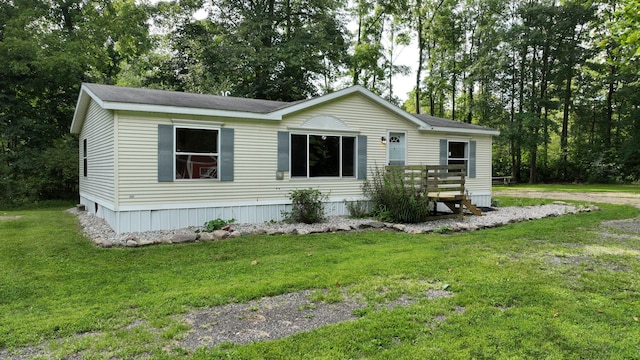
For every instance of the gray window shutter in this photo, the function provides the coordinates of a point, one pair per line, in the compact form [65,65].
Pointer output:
[444,152]
[472,159]
[226,154]
[362,157]
[283,151]
[165,153]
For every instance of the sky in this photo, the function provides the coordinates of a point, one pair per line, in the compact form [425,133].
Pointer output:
[403,84]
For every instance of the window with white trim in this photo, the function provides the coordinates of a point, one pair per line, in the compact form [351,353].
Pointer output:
[84,158]
[323,155]
[458,154]
[196,153]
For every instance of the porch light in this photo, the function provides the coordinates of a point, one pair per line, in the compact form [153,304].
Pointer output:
[383,140]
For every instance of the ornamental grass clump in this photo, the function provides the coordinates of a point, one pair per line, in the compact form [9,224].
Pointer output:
[395,197]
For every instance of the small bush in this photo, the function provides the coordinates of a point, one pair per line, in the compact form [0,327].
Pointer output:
[357,209]
[396,199]
[306,206]
[217,224]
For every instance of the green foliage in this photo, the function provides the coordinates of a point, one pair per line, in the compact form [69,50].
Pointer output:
[306,206]
[217,224]
[357,209]
[520,291]
[275,51]
[394,198]
[47,51]
[443,230]
[37,176]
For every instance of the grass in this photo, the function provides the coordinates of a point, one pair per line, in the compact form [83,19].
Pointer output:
[629,188]
[555,288]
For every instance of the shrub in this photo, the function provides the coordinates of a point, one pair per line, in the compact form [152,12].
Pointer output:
[395,198]
[357,209]
[217,224]
[306,206]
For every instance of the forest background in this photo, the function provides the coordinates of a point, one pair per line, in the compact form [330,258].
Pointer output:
[559,79]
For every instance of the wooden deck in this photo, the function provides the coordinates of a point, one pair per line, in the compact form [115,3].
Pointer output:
[440,183]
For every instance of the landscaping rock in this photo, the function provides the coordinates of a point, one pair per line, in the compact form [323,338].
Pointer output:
[146,242]
[220,234]
[413,231]
[102,242]
[206,236]
[96,228]
[340,227]
[373,225]
[320,230]
[180,238]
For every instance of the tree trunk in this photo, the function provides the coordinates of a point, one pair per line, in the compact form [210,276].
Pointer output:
[610,93]
[564,135]
[420,56]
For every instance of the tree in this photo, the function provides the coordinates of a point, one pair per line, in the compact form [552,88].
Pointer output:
[48,49]
[266,49]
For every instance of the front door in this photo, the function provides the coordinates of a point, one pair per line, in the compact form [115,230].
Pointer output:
[397,147]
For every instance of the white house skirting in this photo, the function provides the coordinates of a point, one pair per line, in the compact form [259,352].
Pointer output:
[176,218]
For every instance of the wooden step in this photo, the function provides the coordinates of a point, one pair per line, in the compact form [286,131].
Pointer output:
[471,207]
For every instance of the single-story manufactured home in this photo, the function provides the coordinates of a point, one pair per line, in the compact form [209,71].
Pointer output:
[154,160]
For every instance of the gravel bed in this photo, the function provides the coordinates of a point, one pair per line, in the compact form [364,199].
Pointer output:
[102,234]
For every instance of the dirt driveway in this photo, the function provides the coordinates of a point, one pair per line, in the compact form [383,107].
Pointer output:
[596,197]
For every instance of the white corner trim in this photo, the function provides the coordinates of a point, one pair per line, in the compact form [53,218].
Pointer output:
[104,203]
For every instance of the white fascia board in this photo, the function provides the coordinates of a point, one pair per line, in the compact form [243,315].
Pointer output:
[82,106]
[350,90]
[459,130]
[188,111]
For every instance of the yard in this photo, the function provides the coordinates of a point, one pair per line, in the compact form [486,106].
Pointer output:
[559,288]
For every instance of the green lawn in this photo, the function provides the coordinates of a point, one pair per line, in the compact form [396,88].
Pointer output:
[555,288]
[630,188]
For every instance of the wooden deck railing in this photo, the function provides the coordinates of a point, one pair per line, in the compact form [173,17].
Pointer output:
[440,183]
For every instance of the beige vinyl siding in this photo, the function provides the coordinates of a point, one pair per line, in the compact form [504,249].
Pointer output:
[482,181]
[98,129]
[255,156]
[361,115]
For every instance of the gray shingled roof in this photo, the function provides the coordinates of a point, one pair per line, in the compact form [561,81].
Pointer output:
[127,95]
[118,94]
[440,122]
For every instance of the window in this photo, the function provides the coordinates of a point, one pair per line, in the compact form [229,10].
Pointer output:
[458,154]
[84,157]
[323,155]
[196,153]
